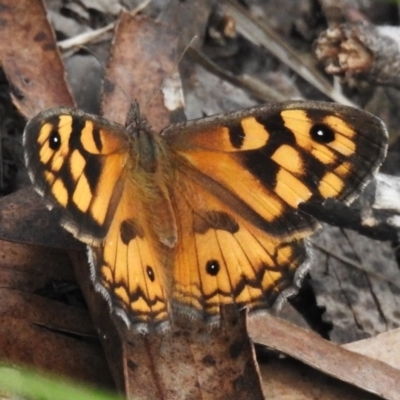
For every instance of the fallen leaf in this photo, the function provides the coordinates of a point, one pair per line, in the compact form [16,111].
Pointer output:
[365,373]
[20,60]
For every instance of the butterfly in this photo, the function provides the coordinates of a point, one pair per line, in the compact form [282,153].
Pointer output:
[205,213]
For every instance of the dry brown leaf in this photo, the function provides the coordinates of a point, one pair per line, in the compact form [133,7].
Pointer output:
[284,378]
[370,375]
[384,347]
[26,219]
[156,67]
[195,363]
[31,39]
[41,332]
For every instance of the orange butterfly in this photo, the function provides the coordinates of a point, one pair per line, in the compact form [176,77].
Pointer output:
[206,213]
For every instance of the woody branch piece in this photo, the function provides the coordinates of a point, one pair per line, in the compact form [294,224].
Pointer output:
[361,51]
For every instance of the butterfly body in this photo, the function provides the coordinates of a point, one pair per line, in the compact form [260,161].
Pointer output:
[206,213]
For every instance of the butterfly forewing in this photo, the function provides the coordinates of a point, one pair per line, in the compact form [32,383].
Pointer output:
[271,159]
[78,162]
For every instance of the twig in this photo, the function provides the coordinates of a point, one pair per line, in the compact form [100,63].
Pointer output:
[97,35]
[262,35]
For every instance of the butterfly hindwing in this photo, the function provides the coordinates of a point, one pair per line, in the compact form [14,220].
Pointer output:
[223,259]
[129,267]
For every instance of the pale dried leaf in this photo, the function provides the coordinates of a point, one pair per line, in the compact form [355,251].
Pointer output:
[384,347]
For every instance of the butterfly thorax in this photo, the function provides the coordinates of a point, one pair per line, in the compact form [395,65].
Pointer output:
[145,146]
[146,150]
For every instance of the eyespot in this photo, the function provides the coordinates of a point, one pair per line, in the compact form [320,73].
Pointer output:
[212,267]
[150,273]
[322,133]
[54,140]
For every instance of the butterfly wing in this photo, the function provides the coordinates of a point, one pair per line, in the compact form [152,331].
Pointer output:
[221,258]
[78,162]
[242,180]
[83,164]
[129,267]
